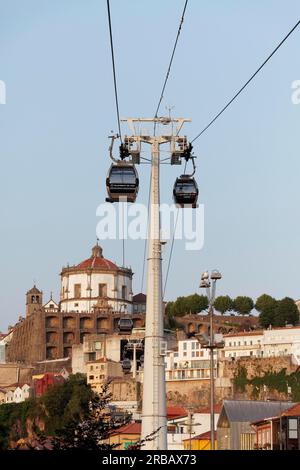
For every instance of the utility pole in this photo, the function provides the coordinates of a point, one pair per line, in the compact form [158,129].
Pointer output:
[211,343]
[154,419]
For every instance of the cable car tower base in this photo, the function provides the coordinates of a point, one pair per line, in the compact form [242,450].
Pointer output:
[154,420]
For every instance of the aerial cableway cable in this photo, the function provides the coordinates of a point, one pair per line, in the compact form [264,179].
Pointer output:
[156,115]
[247,83]
[117,110]
[170,63]
[114,68]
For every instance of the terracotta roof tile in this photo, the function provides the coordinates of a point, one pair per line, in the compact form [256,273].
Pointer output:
[131,428]
[293,411]
[203,436]
[95,262]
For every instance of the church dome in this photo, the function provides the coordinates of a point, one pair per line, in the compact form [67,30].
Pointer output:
[97,261]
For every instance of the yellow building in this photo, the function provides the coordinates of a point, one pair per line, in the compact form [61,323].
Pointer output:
[126,436]
[100,370]
[200,442]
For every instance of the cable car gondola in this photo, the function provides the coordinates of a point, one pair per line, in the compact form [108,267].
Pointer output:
[126,365]
[125,326]
[185,191]
[122,182]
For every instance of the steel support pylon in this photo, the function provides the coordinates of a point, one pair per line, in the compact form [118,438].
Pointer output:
[154,419]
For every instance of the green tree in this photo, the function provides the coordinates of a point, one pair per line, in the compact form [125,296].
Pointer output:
[66,402]
[194,303]
[265,302]
[169,309]
[223,304]
[266,306]
[89,432]
[243,305]
[286,312]
[180,306]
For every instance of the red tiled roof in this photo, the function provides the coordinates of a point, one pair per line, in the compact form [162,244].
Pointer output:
[96,262]
[205,435]
[293,411]
[176,412]
[131,428]
[244,333]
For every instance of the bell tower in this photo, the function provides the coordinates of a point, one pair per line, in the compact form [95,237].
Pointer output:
[34,300]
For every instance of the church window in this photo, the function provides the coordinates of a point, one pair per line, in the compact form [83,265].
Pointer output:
[77,290]
[102,290]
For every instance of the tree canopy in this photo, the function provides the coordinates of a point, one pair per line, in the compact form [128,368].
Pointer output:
[276,312]
[286,312]
[223,304]
[194,303]
[243,305]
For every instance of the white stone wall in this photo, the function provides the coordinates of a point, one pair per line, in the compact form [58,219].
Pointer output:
[114,283]
[242,345]
[190,362]
[281,342]
[270,343]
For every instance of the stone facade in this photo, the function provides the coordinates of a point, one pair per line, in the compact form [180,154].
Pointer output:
[194,323]
[50,335]
[14,374]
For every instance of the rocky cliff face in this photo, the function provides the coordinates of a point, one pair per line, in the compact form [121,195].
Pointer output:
[197,392]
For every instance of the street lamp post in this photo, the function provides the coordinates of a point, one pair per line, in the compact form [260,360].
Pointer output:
[208,282]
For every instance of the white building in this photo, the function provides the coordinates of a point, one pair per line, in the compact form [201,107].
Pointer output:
[265,343]
[243,344]
[189,362]
[187,426]
[282,342]
[21,393]
[18,394]
[96,277]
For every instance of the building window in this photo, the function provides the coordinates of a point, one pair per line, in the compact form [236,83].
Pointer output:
[91,377]
[239,343]
[250,343]
[77,290]
[123,292]
[98,345]
[229,343]
[102,290]
[184,346]
[193,345]
[197,345]
[293,431]
[245,343]
[193,353]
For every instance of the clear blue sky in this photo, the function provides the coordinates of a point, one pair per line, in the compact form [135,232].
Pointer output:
[56,63]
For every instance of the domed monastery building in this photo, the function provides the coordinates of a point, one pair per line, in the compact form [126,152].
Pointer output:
[94,295]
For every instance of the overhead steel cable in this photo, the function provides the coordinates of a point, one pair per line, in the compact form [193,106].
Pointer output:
[247,83]
[114,68]
[170,63]
[118,113]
